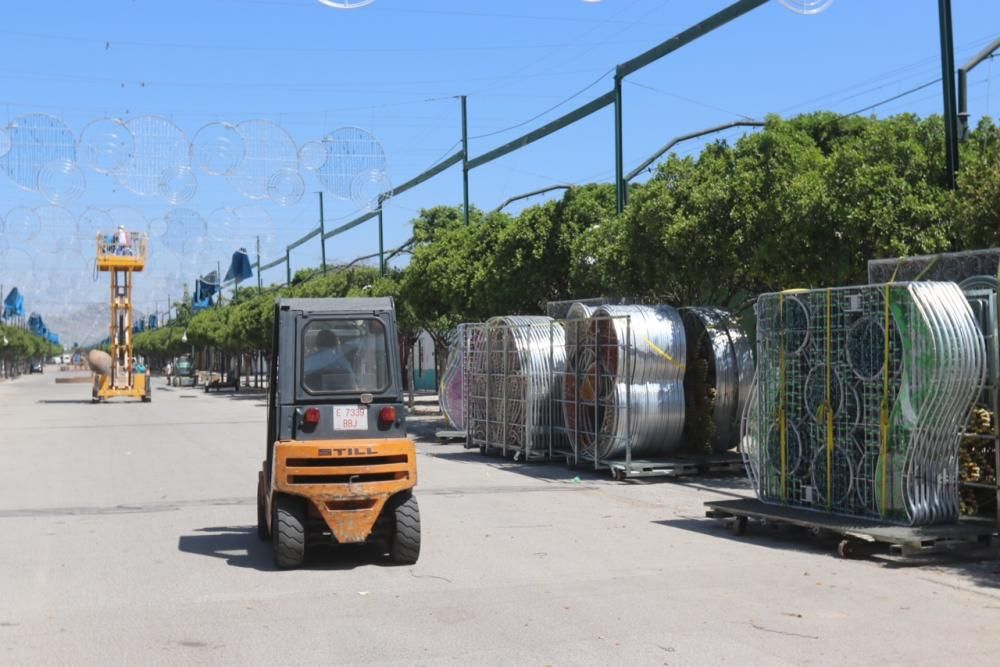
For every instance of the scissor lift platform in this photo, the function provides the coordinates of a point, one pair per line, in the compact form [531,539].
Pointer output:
[121,254]
[856,531]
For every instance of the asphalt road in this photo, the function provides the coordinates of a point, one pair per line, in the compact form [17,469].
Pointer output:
[128,538]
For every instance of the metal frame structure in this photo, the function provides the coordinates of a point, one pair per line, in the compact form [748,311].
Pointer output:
[602,387]
[978,273]
[614,96]
[510,401]
[861,393]
[121,260]
[646,422]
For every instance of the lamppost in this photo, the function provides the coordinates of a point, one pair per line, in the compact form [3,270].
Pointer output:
[184,339]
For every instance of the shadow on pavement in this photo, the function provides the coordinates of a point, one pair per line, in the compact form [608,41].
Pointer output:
[56,401]
[240,546]
[979,564]
[241,395]
[535,469]
[727,484]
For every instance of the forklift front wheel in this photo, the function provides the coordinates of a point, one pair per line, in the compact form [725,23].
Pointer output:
[288,532]
[406,540]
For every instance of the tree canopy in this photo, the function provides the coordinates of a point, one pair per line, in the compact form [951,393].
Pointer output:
[804,202]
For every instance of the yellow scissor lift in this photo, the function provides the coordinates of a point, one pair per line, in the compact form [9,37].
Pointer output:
[121,254]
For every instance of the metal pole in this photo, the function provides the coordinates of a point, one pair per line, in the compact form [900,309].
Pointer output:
[288,268]
[259,285]
[465,161]
[322,232]
[619,160]
[963,93]
[381,249]
[948,89]
[218,282]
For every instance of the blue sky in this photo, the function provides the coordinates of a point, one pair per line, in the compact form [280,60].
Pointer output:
[393,68]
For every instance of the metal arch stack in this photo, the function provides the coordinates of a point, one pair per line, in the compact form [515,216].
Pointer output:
[513,366]
[623,385]
[859,399]
[717,380]
[451,393]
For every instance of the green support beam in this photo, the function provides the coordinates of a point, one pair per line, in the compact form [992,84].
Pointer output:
[545,130]
[381,243]
[298,242]
[679,40]
[685,137]
[720,18]
[455,158]
[322,232]
[948,90]
[465,161]
[541,191]
[620,183]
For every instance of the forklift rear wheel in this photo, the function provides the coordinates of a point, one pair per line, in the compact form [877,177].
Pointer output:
[406,541]
[288,532]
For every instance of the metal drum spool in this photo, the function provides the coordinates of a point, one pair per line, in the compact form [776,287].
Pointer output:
[717,378]
[623,387]
[512,373]
[656,350]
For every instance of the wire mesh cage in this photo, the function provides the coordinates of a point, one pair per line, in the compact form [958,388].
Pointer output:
[512,364]
[860,397]
[452,388]
[950,266]
[622,387]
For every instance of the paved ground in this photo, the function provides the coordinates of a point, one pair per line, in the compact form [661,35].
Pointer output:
[128,538]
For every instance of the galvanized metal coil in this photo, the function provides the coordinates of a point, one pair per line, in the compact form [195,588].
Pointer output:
[719,371]
[514,365]
[623,386]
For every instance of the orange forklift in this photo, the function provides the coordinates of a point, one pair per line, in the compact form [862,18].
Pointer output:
[339,468]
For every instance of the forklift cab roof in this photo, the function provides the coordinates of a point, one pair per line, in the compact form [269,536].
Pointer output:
[363,305]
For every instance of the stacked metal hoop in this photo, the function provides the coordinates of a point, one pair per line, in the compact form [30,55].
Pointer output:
[451,393]
[859,398]
[623,385]
[513,363]
[718,378]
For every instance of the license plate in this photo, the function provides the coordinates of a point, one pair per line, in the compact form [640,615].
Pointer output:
[350,418]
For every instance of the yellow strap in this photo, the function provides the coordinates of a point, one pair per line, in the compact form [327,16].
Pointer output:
[783,426]
[664,354]
[927,268]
